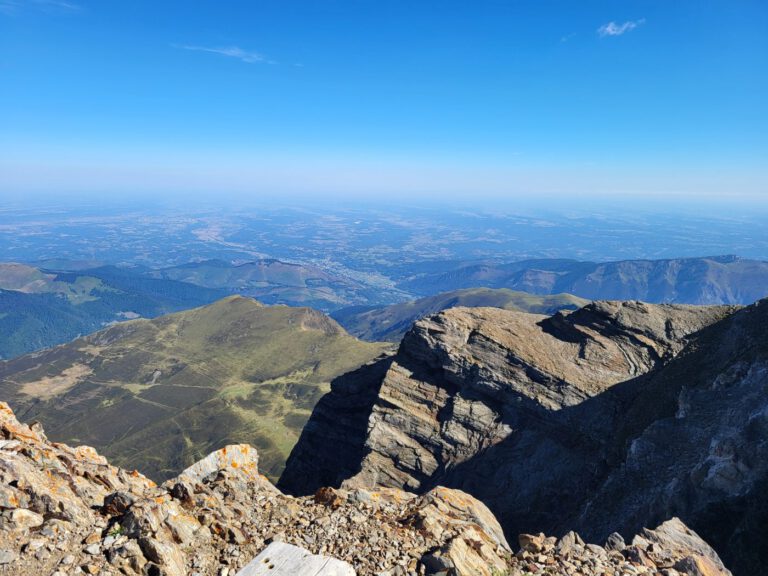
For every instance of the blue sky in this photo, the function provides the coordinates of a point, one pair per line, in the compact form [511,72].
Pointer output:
[488,98]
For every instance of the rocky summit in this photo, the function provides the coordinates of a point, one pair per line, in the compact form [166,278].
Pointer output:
[66,510]
[607,419]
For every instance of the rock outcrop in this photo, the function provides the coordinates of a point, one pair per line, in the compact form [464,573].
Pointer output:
[67,511]
[616,416]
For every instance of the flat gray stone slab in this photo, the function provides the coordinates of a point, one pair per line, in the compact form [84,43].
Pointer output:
[281,559]
[242,457]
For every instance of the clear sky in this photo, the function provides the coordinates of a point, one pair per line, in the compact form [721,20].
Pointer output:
[482,97]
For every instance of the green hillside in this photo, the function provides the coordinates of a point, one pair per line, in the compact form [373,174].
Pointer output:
[160,394]
[391,322]
[30,280]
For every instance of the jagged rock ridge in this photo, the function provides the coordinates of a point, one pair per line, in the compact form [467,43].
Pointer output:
[606,419]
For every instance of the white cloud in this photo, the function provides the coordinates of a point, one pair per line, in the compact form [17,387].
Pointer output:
[614,29]
[13,5]
[232,52]
[57,4]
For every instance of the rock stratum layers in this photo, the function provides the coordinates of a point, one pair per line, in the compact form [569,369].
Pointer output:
[607,419]
[67,511]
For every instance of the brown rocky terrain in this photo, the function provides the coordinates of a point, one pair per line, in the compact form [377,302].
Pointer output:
[613,417]
[67,511]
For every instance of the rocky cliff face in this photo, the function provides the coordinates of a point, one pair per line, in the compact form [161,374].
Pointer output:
[67,511]
[694,443]
[609,418]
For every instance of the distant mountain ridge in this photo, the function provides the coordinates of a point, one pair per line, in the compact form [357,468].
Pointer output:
[390,323]
[55,301]
[709,280]
[40,308]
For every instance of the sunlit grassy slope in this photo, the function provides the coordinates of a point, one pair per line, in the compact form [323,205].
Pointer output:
[159,394]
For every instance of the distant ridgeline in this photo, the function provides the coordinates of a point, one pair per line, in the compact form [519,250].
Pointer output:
[43,306]
[545,286]
[390,323]
[712,280]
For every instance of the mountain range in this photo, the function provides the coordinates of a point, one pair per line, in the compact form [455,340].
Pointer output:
[40,307]
[606,418]
[55,301]
[712,280]
[233,370]
[390,323]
